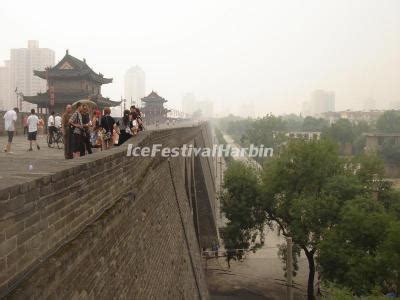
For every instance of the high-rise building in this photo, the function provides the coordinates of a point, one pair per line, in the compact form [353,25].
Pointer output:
[7,101]
[306,109]
[22,63]
[321,101]
[135,86]
[189,103]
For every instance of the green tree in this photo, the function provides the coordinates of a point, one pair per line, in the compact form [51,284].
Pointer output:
[348,254]
[390,150]
[293,122]
[261,131]
[303,191]
[389,122]
[322,202]
[340,131]
[314,124]
[240,203]
[389,256]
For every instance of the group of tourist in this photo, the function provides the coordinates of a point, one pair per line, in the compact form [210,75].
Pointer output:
[84,129]
[32,122]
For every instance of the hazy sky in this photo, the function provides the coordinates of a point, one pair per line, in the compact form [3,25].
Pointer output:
[273,53]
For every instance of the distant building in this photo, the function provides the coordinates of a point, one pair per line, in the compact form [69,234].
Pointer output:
[70,80]
[206,107]
[375,142]
[153,109]
[7,99]
[306,109]
[135,85]
[305,135]
[321,101]
[353,116]
[23,62]
[189,105]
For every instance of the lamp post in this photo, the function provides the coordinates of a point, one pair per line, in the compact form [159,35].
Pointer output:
[20,95]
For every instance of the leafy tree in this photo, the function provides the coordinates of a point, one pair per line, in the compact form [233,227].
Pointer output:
[361,127]
[314,124]
[340,131]
[389,256]
[390,150]
[309,191]
[389,122]
[293,122]
[261,131]
[236,127]
[348,252]
[240,203]
[303,191]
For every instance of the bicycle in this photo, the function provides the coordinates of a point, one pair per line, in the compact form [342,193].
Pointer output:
[57,139]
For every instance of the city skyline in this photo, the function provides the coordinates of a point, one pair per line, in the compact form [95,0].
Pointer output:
[134,85]
[349,47]
[17,74]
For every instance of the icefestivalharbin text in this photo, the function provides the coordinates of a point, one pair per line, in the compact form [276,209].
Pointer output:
[189,150]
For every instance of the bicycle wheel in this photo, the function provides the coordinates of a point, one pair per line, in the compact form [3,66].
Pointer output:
[60,141]
[48,141]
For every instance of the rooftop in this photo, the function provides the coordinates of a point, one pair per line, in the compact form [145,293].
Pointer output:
[72,67]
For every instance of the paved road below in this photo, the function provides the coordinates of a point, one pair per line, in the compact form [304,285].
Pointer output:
[260,275]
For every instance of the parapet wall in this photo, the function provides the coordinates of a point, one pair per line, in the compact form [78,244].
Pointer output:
[109,225]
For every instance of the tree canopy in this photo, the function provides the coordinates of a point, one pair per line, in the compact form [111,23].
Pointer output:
[389,122]
[323,202]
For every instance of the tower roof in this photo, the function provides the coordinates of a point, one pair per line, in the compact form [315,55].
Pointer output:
[153,97]
[72,67]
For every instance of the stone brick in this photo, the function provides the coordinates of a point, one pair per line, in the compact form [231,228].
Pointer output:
[16,203]
[123,246]
[33,219]
[8,246]
[14,230]
[16,255]
[28,233]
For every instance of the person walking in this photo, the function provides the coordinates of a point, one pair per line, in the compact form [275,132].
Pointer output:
[107,124]
[125,128]
[33,122]
[25,123]
[87,123]
[10,118]
[51,126]
[77,130]
[66,131]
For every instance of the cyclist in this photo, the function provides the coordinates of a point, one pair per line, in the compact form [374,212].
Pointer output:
[51,125]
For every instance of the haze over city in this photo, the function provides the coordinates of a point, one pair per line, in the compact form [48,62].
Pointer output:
[273,53]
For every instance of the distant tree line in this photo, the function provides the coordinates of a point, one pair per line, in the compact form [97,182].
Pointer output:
[270,130]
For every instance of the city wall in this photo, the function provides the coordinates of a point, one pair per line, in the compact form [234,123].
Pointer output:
[112,226]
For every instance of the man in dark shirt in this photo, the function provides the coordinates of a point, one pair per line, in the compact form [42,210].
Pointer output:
[107,123]
[134,114]
[67,132]
[86,145]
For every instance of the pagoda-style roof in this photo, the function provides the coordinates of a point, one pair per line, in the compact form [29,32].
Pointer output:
[153,97]
[71,67]
[42,99]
